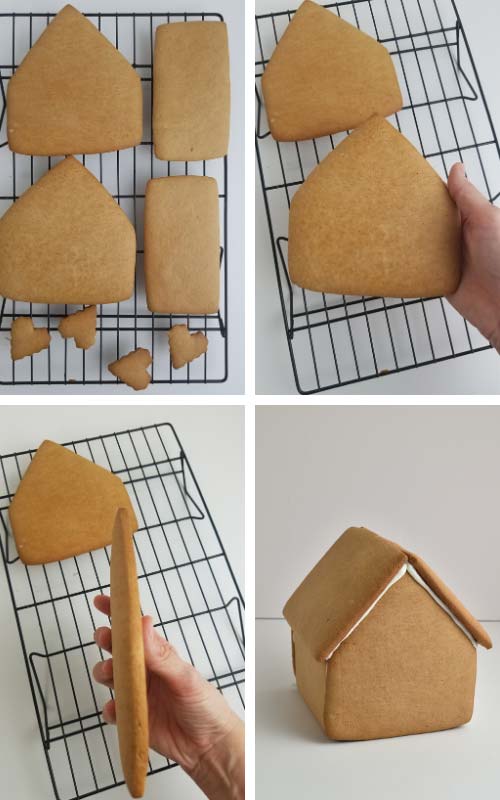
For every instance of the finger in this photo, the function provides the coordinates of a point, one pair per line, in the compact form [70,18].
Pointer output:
[103,673]
[109,712]
[161,657]
[468,199]
[102,637]
[103,603]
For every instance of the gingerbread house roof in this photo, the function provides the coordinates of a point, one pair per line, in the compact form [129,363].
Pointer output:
[344,585]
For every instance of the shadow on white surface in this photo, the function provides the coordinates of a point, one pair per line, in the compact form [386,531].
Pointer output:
[282,711]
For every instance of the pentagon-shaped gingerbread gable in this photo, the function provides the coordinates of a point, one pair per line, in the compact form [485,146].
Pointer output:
[65,240]
[65,505]
[73,93]
[374,218]
[325,76]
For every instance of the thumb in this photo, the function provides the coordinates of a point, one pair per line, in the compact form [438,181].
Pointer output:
[468,199]
[160,656]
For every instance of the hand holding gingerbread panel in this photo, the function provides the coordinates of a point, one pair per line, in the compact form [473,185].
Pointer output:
[374,218]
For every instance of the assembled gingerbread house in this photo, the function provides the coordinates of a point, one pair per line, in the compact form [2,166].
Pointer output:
[380,646]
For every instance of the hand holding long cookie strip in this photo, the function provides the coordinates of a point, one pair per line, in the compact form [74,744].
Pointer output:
[189,720]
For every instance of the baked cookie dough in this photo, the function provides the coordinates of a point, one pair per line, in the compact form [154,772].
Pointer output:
[129,672]
[191,94]
[185,346]
[181,245]
[132,369]
[73,93]
[66,240]
[65,505]
[326,76]
[80,326]
[26,340]
[374,218]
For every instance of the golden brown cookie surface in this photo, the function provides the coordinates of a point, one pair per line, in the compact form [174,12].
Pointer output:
[326,76]
[65,505]
[65,240]
[129,672]
[191,91]
[80,326]
[132,369]
[185,346]
[26,340]
[181,245]
[374,218]
[73,93]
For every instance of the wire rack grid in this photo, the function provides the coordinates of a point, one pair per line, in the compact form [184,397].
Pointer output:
[338,340]
[123,326]
[186,583]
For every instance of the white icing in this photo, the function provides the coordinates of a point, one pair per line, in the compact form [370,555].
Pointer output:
[408,569]
[418,578]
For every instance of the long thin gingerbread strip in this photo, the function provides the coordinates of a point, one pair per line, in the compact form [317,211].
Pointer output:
[129,672]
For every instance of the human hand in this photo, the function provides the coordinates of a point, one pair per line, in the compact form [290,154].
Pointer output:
[189,720]
[478,295]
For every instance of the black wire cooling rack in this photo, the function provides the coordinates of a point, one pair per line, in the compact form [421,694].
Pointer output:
[123,326]
[338,340]
[186,583]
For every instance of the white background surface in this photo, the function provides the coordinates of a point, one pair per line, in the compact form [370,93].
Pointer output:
[474,374]
[232,10]
[213,438]
[295,761]
[426,477]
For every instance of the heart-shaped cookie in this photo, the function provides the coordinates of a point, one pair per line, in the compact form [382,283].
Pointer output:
[80,326]
[185,346]
[132,368]
[26,339]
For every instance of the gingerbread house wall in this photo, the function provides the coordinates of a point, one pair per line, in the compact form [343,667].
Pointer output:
[407,668]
